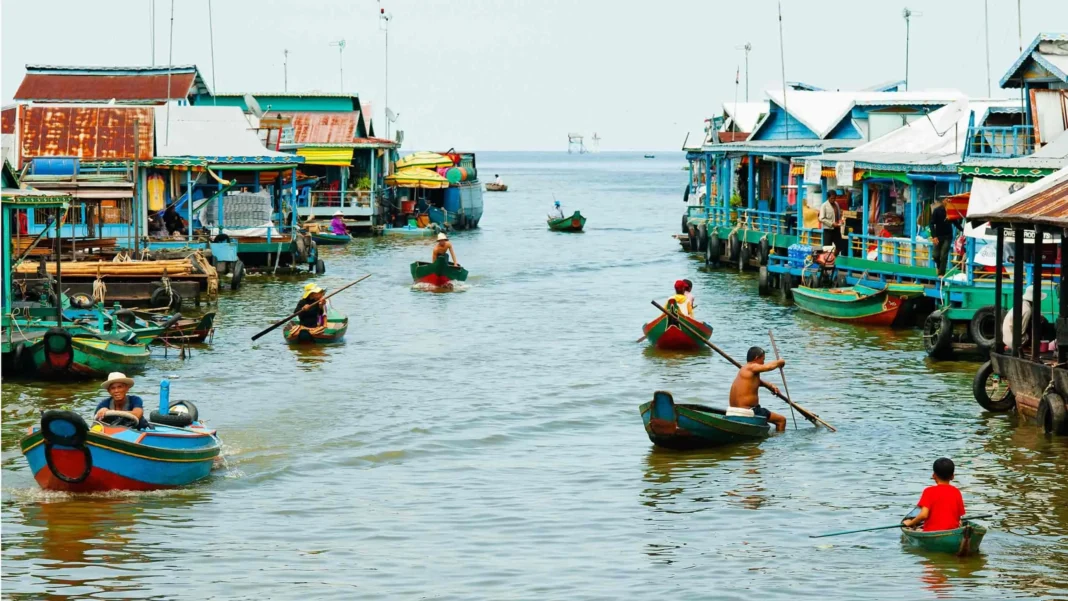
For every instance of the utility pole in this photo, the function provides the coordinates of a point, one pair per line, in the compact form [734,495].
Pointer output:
[907,14]
[341,61]
[1019,23]
[285,70]
[986,27]
[383,21]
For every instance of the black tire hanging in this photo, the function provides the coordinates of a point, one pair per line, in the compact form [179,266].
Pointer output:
[1052,413]
[87,455]
[743,256]
[983,327]
[715,249]
[786,283]
[320,267]
[702,237]
[74,439]
[685,224]
[694,240]
[58,342]
[178,420]
[734,245]
[765,251]
[238,270]
[762,281]
[1007,402]
[190,409]
[937,335]
[162,298]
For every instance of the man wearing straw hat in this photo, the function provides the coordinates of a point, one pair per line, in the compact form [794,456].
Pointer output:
[311,308]
[118,385]
[444,247]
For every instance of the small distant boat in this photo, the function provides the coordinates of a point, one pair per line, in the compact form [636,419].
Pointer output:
[410,230]
[667,333]
[873,305]
[574,223]
[491,187]
[650,156]
[440,273]
[67,454]
[330,238]
[332,331]
[684,427]
[959,541]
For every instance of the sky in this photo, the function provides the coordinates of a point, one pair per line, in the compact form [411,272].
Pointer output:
[482,75]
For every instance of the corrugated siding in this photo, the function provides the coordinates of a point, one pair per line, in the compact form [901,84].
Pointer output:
[1046,206]
[338,157]
[323,128]
[780,126]
[90,133]
[123,88]
[7,120]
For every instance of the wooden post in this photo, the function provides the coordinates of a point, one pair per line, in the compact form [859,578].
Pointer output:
[1017,288]
[999,266]
[1036,295]
[750,203]
[189,204]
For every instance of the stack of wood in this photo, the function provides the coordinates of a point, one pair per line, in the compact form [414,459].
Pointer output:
[172,268]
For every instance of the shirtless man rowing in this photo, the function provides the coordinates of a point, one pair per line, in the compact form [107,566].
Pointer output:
[746,386]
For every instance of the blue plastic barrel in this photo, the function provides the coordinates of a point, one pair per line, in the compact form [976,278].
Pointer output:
[452,200]
[56,166]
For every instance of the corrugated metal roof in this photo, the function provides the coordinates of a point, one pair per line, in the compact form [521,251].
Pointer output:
[87,132]
[1044,202]
[822,111]
[745,115]
[323,128]
[141,89]
[290,95]
[1013,77]
[7,120]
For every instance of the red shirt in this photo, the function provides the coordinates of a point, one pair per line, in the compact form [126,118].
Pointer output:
[945,505]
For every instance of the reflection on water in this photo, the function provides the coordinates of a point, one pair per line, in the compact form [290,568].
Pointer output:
[488,444]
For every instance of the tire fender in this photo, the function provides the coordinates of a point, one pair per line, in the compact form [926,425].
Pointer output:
[762,281]
[1052,413]
[980,325]
[715,249]
[695,241]
[702,238]
[765,251]
[937,335]
[982,376]
[238,271]
[64,428]
[734,247]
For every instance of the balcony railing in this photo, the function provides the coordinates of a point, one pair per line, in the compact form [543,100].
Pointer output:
[1001,142]
[333,198]
[896,251]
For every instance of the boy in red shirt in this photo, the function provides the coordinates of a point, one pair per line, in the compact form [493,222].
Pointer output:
[941,506]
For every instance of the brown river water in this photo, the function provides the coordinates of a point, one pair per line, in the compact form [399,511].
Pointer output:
[486,443]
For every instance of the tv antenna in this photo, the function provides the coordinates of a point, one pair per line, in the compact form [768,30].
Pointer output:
[341,61]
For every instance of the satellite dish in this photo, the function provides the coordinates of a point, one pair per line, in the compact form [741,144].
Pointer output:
[253,106]
[391,115]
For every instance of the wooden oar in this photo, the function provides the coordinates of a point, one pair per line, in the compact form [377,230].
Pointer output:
[897,525]
[812,417]
[278,323]
[782,373]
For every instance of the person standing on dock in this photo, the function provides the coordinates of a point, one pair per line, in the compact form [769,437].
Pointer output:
[831,220]
[941,235]
[746,387]
[444,247]
[557,211]
[941,506]
[337,224]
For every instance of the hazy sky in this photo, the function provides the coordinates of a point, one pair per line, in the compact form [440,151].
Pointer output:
[520,75]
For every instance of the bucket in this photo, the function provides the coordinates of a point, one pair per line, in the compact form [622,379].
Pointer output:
[413,223]
[407,206]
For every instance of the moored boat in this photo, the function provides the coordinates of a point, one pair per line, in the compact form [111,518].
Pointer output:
[670,333]
[492,187]
[574,223]
[331,331]
[330,238]
[687,426]
[67,454]
[960,541]
[877,305]
[439,273]
[60,353]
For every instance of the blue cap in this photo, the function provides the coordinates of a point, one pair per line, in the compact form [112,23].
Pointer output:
[557,203]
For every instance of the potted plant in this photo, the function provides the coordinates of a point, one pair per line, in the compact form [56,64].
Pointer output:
[736,201]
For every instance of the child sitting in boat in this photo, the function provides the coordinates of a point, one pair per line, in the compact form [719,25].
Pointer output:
[689,295]
[941,506]
[681,299]
[337,225]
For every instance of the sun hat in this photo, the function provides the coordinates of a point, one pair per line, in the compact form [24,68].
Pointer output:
[117,377]
[311,288]
[336,213]
[1029,294]
[442,236]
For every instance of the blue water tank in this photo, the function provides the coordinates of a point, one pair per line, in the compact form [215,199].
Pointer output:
[452,200]
[56,166]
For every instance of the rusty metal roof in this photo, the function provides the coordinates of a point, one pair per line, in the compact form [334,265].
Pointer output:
[7,120]
[1043,203]
[323,128]
[89,132]
[126,85]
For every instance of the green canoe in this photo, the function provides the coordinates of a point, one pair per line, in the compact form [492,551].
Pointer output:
[878,304]
[574,223]
[439,273]
[330,238]
[63,354]
[960,541]
[336,325]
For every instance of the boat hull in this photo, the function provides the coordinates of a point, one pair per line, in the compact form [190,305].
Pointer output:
[440,273]
[90,357]
[331,239]
[959,541]
[336,326]
[115,458]
[856,304]
[574,223]
[665,333]
[496,187]
[683,427]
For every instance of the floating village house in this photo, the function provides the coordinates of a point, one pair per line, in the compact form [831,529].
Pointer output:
[343,162]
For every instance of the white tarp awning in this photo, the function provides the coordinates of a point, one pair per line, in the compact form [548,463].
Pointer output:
[984,198]
[211,132]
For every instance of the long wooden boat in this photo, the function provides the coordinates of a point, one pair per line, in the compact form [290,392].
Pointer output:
[574,223]
[959,541]
[190,330]
[60,353]
[67,454]
[440,273]
[332,331]
[331,238]
[679,426]
[873,305]
[668,333]
[492,187]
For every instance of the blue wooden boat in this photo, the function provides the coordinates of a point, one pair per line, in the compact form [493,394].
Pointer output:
[696,426]
[176,448]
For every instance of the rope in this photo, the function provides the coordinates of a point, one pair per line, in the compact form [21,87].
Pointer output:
[100,290]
